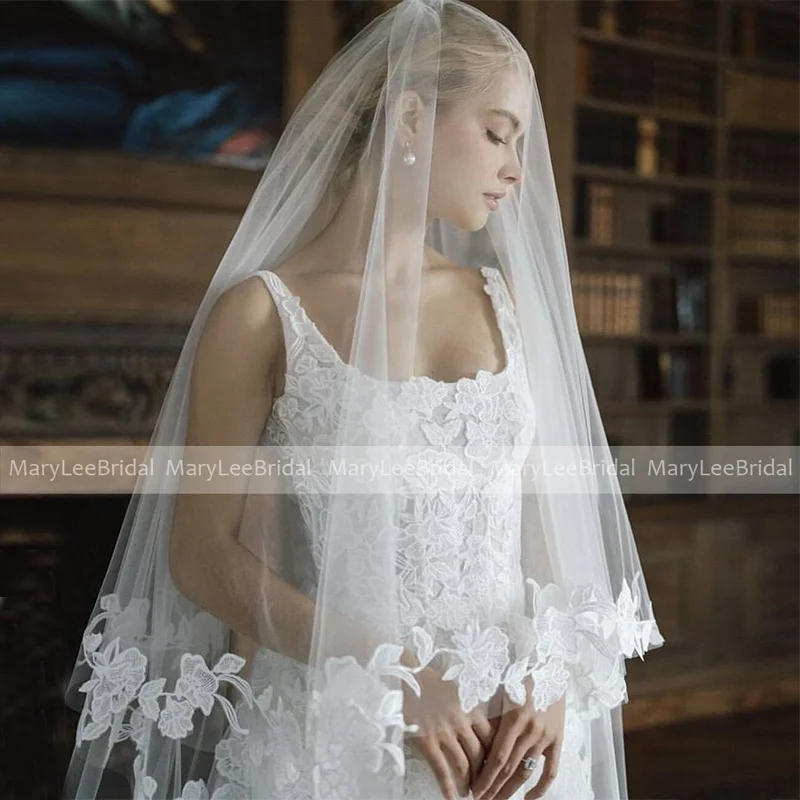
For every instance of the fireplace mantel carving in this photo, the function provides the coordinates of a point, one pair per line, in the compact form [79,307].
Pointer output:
[84,380]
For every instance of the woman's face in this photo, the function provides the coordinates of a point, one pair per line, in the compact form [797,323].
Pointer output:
[476,152]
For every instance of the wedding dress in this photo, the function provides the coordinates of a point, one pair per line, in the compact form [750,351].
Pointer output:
[458,566]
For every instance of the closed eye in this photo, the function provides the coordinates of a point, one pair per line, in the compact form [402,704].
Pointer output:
[493,137]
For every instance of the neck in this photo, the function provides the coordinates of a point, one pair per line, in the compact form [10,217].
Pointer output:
[345,241]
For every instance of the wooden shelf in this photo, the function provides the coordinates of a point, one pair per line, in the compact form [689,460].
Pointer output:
[728,689]
[633,110]
[90,176]
[765,258]
[582,247]
[763,406]
[644,46]
[789,7]
[762,261]
[696,339]
[761,341]
[612,175]
[766,190]
[652,407]
[763,66]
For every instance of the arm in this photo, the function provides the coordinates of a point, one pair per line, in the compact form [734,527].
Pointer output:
[230,397]
[230,401]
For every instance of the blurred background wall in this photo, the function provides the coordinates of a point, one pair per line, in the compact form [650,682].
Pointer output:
[131,137]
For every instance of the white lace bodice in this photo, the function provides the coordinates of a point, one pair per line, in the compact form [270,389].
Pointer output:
[458,547]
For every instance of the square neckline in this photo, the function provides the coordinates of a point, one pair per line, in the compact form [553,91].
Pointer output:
[486,271]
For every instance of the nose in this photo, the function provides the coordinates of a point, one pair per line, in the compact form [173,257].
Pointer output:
[512,172]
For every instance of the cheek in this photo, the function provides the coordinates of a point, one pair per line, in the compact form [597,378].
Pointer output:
[465,157]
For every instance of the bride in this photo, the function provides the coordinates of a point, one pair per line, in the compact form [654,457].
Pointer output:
[450,617]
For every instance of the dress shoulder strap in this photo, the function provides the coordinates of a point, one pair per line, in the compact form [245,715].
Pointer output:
[299,330]
[290,314]
[498,291]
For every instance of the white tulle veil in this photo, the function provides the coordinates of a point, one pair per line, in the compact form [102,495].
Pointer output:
[169,707]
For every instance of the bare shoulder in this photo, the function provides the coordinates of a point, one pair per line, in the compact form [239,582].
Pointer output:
[248,304]
[245,317]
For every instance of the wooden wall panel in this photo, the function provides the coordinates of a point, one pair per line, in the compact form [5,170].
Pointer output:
[723,578]
[91,261]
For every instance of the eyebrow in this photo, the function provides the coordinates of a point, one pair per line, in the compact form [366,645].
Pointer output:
[508,115]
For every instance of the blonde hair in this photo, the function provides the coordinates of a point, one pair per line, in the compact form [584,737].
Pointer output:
[465,60]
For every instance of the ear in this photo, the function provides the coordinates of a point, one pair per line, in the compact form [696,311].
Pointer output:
[409,113]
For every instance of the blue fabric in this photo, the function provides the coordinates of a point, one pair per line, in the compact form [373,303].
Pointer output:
[88,63]
[192,123]
[36,112]
[66,96]
[86,97]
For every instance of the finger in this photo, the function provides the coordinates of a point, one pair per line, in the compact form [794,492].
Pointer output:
[459,763]
[520,775]
[441,770]
[485,732]
[497,759]
[474,750]
[552,755]
[515,774]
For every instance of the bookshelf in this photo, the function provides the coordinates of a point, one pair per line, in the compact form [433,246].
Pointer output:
[682,214]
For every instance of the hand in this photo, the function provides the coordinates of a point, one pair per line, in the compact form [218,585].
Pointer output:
[522,732]
[452,741]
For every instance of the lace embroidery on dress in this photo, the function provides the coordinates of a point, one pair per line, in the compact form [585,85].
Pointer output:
[462,603]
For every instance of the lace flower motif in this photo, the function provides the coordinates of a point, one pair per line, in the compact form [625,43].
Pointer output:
[482,656]
[575,640]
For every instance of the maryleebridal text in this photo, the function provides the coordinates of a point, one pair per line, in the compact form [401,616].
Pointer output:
[107,468]
[210,470]
[740,468]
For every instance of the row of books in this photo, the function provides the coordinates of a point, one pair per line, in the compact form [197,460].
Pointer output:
[605,140]
[762,158]
[672,373]
[600,227]
[759,34]
[647,372]
[644,144]
[675,23]
[773,314]
[668,149]
[630,77]
[762,376]
[608,303]
[657,372]
[678,303]
[612,303]
[762,101]
[759,230]
[653,148]
[607,214]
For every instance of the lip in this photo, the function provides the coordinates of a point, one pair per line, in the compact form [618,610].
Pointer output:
[492,201]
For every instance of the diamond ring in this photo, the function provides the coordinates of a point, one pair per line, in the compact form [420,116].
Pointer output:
[529,763]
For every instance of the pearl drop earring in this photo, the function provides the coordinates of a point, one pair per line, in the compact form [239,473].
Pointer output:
[409,158]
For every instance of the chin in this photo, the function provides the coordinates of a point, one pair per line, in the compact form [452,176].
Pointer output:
[470,223]
[479,223]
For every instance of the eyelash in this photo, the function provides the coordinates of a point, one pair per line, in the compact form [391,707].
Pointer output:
[494,138]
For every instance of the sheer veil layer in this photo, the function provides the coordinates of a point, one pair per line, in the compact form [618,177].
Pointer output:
[267,635]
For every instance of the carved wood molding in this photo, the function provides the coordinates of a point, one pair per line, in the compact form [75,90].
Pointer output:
[65,380]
